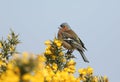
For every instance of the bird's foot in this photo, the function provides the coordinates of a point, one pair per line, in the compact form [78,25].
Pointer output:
[69,55]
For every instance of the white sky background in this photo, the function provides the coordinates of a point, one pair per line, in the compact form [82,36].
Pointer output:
[97,22]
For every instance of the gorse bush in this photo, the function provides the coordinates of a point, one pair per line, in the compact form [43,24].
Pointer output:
[54,65]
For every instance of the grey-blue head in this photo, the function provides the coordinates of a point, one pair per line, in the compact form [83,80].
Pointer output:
[65,25]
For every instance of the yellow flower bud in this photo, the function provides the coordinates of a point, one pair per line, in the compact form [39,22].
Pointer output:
[89,70]
[9,36]
[105,79]
[48,52]
[25,55]
[41,58]
[0,55]
[10,66]
[61,53]
[26,77]
[53,57]
[95,79]
[82,71]
[71,62]
[12,48]
[0,45]
[48,79]
[1,62]
[47,42]
[58,42]
[63,60]
[54,66]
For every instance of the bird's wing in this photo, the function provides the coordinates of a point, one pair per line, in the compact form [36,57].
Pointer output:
[77,45]
[74,44]
[67,35]
[74,36]
[71,35]
[67,45]
[82,44]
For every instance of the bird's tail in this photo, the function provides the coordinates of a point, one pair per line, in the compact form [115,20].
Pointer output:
[83,56]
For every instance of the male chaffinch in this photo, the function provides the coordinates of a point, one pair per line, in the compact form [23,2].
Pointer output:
[70,40]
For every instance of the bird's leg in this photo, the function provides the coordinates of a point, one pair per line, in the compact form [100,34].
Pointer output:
[69,54]
[69,51]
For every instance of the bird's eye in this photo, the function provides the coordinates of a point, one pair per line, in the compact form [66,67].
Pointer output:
[61,25]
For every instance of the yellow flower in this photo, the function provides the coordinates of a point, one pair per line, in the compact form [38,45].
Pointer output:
[17,70]
[82,71]
[53,57]
[47,42]
[47,67]
[71,62]
[66,69]
[54,66]
[4,64]
[89,70]
[0,45]
[10,66]
[63,60]
[48,52]
[0,55]
[16,57]
[95,79]
[25,58]
[61,53]
[26,76]
[1,62]
[51,73]
[4,59]
[105,79]
[55,79]
[38,77]
[71,67]
[48,47]
[9,36]
[48,79]
[72,78]
[25,55]
[9,76]
[58,42]
[41,58]
[72,71]
[82,78]
[64,76]
[12,48]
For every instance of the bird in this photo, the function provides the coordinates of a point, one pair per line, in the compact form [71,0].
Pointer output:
[71,41]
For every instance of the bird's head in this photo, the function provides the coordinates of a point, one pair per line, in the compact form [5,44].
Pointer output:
[65,26]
